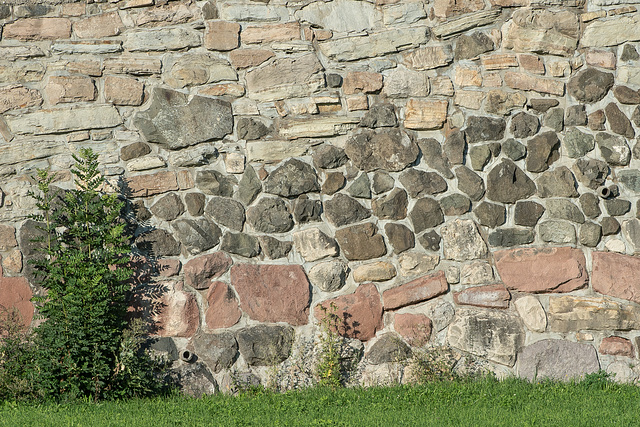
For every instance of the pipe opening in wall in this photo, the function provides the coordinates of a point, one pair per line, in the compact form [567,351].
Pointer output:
[187,356]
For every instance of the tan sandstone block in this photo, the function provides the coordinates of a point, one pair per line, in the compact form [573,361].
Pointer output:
[601,58]
[99,26]
[70,89]
[222,35]
[466,77]
[537,84]
[32,29]
[425,115]
[123,90]
[16,96]
[499,61]
[361,81]
[271,33]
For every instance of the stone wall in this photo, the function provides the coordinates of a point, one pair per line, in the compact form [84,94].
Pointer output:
[444,172]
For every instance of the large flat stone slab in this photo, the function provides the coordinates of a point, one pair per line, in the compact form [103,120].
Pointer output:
[272,293]
[557,360]
[177,122]
[568,313]
[616,275]
[494,335]
[64,120]
[538,270]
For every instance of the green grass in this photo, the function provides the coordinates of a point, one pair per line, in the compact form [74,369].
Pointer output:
[472,403]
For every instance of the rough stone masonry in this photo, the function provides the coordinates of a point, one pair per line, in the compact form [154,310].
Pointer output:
[443,172]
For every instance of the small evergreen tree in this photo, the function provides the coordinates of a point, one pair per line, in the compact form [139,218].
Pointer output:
[83,348]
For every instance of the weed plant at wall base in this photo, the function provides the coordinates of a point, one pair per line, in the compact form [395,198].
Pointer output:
[84,347]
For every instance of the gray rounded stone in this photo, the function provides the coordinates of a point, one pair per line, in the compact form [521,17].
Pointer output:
[578,143]
[399,236]
[380,115]
[160,243]
[479,155]
[542,151]
[470,183]
[249,186]
[617,207]
[554,119]
[430,241]
[265,345]
[434,157]
[343,210]
[590,204]
[455,204]
[270,215]
[527,213]
[382,182]
[524,125]
[197,235]
[484,129]
[556,231]
[360,187]
[226,211]
[329,276]
[590,85]
[392,206]
[426,213]
[614,149]
[591,172]
[240,244]
[388,149]
[557,360]
[218,351]
[420,183]
[507,183]
[575,115]
[215,183]
[168,208]
[328,157]
[564,209]
[590,234]
[610,226]
[508,237]
[388,348]
[514,149]
[306,210]
[490,214]
[559,182]
[195,203]
[274,248]
[292,179]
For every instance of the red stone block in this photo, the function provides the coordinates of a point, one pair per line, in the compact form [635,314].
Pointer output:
[418,290]
[273,293]
[360,313]
[538,270]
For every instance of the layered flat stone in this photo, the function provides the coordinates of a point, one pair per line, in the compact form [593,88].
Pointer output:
[569,313]
[64,120]
[376,44]
[285,78]
[537,270]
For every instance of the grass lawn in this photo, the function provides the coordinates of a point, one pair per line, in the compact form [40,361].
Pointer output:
[483,402]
